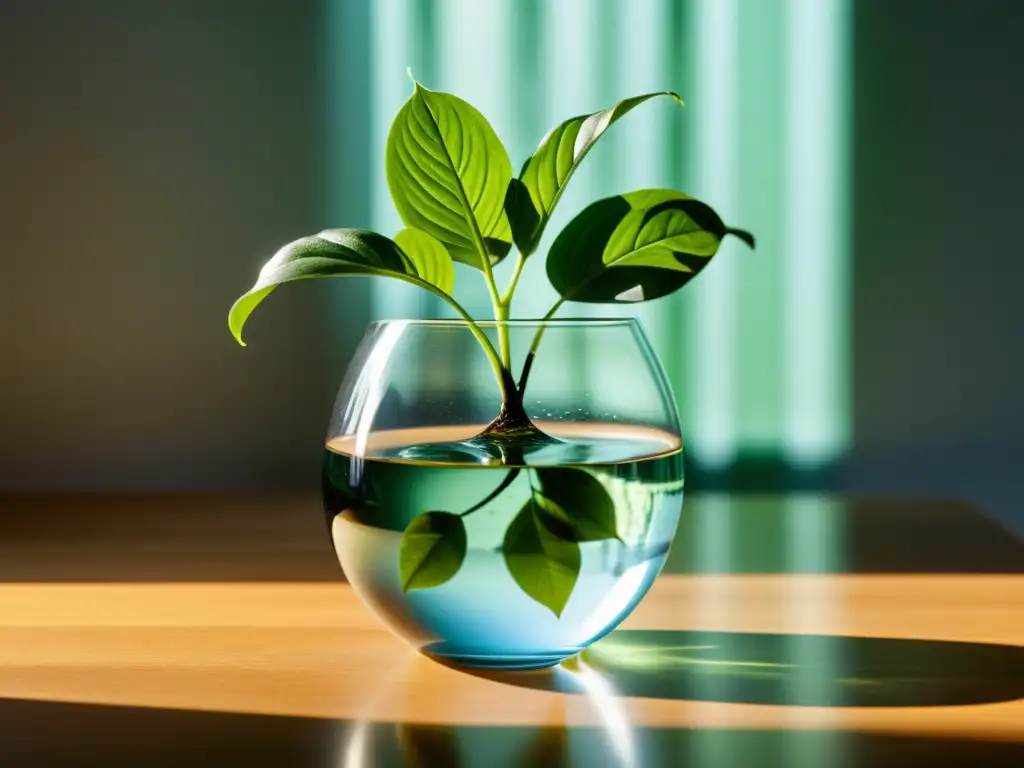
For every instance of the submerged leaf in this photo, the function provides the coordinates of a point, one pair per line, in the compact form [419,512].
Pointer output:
[635,247]
[544,565]
[448,172]
[532,197]
[574,505]
[432,550]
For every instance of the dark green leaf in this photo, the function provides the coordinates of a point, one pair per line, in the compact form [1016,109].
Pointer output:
[433,548]
[635,247]
[543,565]
[743,235]
[429,257]
[332,253]
[531,199]
[574,505]
[448,174]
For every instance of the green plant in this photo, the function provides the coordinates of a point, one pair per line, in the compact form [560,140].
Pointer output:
[452,183]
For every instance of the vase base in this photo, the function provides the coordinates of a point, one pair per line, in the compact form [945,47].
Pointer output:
[497,662]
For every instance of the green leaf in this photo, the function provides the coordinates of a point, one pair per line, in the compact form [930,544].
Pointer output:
[429,257]
[532,197]
[432,550]
[448,174]
[574,505]
[543,565]
[635,247]
[331,253]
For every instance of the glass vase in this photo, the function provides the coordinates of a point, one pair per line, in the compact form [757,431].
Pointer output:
[501,495]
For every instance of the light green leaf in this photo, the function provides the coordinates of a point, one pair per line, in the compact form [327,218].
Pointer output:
[543,565]
[574,505]
[432,550]
[429,256]
[448,174]
[331,253]
[532,197]
[635,247]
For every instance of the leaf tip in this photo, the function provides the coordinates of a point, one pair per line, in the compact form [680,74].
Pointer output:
[416,84]
[743,235]
[678,99]
[236,327]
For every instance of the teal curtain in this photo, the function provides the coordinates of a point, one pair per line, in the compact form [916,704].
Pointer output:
[757,348]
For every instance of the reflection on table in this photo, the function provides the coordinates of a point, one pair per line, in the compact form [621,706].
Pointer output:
[795,631]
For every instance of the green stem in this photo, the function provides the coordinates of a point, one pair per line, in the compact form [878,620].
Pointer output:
[492,287]
[502,310]
[528,363]
[520,262]
[501,315]
[500,370]
[509,478]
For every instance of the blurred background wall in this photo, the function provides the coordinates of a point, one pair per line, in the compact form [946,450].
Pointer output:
[152,155]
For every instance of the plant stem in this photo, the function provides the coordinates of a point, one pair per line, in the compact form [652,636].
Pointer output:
[500,370]
[520,262]
[500,307]
[528,364]
[492,287]
[501,315]
[509,478]
[502,310]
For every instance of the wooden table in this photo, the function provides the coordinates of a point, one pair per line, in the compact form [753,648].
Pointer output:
[785,631]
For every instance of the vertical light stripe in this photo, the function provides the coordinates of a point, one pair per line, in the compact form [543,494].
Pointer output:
[474,59]
[339,59]
[814,541]
[531,121]
[640,138]
[391,87]
[711,412]
[529,80]
[712,553]
[711,611]
[474,56]
[569,87]
[817,348]
[761,365]
[348,169]
[761,162]
[674,316]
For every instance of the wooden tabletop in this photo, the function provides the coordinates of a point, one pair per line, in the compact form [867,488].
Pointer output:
[789,631]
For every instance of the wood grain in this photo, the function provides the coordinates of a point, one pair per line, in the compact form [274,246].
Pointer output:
[313,650]
[171,629]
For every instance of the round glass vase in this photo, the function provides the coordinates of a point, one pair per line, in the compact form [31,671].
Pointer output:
[502,542]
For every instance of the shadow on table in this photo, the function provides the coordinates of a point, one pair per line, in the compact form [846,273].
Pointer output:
[796,670]
[36,734]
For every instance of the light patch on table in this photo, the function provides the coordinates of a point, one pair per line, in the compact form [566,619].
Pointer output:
[313,650]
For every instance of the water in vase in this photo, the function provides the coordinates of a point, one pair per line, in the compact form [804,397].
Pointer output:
[607,498]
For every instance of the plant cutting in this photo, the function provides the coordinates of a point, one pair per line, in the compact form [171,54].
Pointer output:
[471,519]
